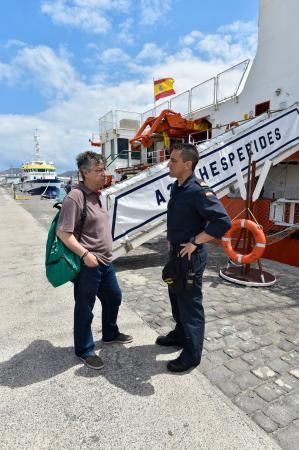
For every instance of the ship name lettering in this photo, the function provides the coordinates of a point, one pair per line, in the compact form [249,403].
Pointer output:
[159,197]
[214,168]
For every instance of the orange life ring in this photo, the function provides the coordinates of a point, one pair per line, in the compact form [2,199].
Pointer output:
[259,237]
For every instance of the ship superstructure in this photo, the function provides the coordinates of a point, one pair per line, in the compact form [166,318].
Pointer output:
[234,109]
[38,176]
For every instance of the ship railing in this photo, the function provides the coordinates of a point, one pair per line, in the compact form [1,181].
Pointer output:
[209,93]
[129,158]
[284,212]
[119,119]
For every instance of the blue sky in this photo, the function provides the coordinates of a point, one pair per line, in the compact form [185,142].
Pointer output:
[64,63]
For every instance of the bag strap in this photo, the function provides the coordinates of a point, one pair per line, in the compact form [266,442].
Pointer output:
[83,212]
[83,216]
[58,205]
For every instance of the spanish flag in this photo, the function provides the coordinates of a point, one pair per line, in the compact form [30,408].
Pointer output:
[163,88]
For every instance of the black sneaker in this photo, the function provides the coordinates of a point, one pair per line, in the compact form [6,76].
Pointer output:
[120,338]
[92,361]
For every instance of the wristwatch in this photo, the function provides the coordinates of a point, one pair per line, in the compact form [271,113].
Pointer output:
[192,240]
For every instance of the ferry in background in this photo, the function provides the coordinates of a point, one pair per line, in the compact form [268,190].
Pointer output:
[38,176]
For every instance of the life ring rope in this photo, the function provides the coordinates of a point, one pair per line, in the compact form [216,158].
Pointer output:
[259,237]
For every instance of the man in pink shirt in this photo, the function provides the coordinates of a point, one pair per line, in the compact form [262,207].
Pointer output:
[92,241]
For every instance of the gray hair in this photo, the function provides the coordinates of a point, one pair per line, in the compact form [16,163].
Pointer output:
[189,152]
[86,160]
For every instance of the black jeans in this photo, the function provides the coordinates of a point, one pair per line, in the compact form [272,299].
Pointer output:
[188,311]
[92,282]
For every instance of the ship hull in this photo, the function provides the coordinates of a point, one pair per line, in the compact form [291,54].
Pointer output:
[39,187]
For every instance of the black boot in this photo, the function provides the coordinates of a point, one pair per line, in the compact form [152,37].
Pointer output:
[169,340]
[179,365]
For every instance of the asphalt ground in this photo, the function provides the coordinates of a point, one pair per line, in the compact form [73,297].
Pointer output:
[251,346]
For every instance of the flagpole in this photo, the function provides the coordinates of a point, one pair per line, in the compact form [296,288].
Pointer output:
[154,93]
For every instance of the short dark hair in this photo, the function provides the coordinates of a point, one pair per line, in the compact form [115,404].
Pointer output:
[189,152]
[86,160]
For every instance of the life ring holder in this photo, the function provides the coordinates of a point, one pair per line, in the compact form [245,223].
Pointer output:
[231,125]
[259,237]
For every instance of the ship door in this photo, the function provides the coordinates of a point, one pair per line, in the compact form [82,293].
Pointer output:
[261,108]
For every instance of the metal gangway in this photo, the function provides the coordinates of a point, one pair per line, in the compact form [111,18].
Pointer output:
[137,206]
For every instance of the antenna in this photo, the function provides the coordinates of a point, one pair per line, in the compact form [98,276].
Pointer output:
[37,156]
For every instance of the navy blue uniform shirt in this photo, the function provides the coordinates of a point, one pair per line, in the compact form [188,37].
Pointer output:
[193,207]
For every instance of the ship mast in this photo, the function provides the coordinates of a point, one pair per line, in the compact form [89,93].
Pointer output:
[36,155]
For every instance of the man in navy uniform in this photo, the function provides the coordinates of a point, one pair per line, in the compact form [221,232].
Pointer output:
[194,217]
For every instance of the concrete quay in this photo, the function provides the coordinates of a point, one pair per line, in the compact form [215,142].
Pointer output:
[244,395]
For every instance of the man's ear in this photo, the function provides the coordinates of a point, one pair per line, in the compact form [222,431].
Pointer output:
[188,165]
[80,176]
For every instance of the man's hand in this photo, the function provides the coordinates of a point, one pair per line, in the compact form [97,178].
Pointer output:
[90,260]
[188,249]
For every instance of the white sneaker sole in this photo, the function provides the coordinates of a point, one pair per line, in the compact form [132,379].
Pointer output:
[117,342]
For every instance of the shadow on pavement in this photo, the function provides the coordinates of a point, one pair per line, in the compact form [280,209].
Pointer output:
[128,368]
[133,262]
[38,362]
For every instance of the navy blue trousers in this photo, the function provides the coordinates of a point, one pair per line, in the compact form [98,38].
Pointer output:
[92,282]
[188,311]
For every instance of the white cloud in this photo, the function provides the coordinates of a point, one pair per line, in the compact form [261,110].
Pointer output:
[231,43]
[151,52]
[92,46]
[85,18]
[114,56]
[8,73]
[120,5]
[14,43]
[95,16]
[125,35]
[52,72]
[88,15]
[153,10]
[239,28]
[216,46]
[191,38]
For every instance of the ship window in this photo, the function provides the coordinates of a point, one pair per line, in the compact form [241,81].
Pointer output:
[261,108]
[122,148]
[112,148]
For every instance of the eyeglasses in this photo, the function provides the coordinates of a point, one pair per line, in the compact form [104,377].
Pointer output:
[98,170]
